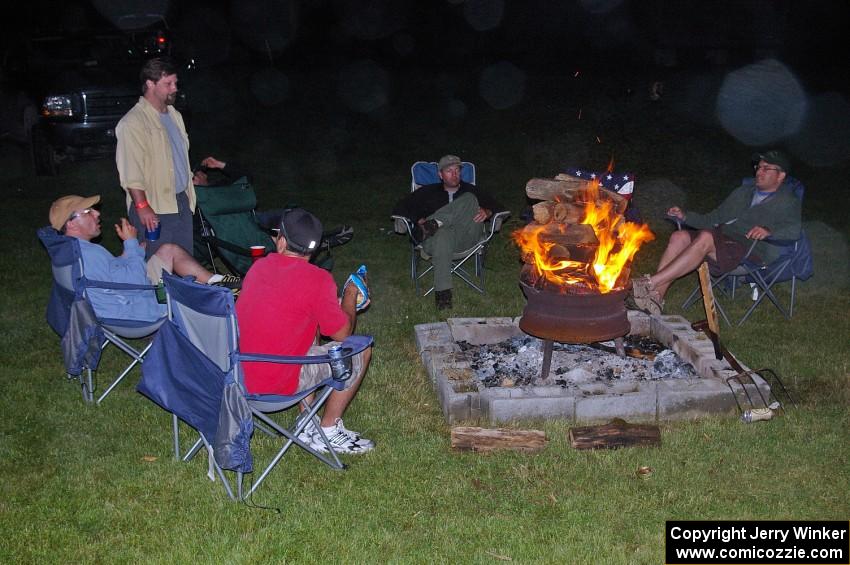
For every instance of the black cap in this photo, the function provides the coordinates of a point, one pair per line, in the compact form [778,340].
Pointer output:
[302,230]
[774,157]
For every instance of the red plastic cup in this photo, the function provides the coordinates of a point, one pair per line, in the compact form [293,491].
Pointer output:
[257,251]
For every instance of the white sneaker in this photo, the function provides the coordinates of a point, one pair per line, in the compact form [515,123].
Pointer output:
[342,440]
[308,433]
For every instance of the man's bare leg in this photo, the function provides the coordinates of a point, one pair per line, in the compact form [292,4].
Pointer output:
[679,241]
[686,261]
[178,261]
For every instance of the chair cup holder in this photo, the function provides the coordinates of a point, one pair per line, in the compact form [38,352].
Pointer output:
[340,362]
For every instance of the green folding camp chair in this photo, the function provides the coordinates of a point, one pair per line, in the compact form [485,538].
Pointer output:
[227,227]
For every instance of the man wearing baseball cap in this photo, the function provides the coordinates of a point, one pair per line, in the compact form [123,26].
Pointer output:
[765,206]
[285,304]
[450,217]
[78,217]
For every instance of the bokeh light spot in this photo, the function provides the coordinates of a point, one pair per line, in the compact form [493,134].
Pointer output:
[364,86]
[761,104]
[483,14]
[269,86]
[824,139]
[502,85]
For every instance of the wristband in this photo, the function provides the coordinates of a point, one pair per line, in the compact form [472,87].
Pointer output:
[141,205]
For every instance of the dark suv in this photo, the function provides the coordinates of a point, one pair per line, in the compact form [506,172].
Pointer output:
[81,85]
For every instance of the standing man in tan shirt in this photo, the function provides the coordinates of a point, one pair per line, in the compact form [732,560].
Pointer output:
[153,160]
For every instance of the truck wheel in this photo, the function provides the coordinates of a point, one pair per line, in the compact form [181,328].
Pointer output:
[43,156]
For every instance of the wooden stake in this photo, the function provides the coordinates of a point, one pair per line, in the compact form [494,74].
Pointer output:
[710,308]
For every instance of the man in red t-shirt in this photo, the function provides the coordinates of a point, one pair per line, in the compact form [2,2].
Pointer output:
[285,303]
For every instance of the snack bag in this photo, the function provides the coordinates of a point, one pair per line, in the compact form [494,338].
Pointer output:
[358,279]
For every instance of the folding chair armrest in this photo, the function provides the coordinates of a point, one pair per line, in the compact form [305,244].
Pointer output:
[750,250]
[781,242]
[87,283]
[497,219]
[770,241]
[352,345]
[232,247]
[402,225]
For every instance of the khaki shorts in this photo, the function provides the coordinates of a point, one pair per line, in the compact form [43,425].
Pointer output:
[314,373]
[155,267]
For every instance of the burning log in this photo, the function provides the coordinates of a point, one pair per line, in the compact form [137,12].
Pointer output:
[565,188]
[616,433]
[575,241]
[578,241]
[484,440]
[560,212]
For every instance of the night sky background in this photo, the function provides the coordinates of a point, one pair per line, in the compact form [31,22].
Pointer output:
[776,70]
[538,33]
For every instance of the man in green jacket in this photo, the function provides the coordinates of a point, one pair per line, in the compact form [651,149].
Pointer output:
[753,211]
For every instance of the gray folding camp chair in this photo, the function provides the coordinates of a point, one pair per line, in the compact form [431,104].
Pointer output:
[195,373]
[85,334]
[422,173]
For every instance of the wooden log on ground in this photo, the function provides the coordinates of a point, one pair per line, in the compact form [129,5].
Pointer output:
[614,434]
[465,438]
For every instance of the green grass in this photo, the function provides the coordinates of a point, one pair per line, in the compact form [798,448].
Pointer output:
[98,484]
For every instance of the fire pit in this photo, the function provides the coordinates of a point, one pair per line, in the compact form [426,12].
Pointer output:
[574,318]
[576,253]
[464,397]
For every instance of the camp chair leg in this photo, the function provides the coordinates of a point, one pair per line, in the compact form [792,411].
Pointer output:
[766,291]
[457,269]
[190,454]
[137,358]
[793,296]
[292,438]
[692,297]
[87,385]
[419,277]
[192,451]
[218,470]
[175,426]
[265,429]
[212,258]
[696,293]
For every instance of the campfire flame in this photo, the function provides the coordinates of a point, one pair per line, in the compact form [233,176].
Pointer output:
[619,240]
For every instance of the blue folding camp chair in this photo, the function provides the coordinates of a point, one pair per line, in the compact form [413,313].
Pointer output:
[422,173]
[793,264]
[194,371]
[69,312]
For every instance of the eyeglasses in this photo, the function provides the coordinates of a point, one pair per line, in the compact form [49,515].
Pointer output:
[76,215]
[765,168]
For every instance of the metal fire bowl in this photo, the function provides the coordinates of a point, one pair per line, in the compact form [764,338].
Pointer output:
[574,318]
